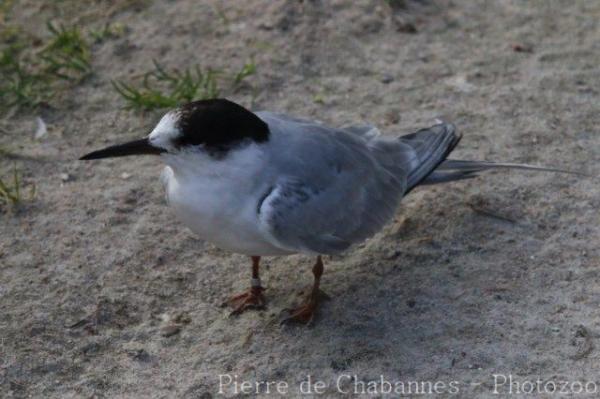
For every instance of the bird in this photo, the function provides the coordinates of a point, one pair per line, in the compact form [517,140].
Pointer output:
[265,183]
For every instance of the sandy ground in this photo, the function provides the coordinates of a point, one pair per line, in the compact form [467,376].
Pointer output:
[445,293]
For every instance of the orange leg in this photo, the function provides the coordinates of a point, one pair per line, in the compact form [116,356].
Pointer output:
[305,312]
[251,299]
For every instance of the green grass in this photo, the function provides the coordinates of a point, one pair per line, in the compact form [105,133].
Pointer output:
[11,190]
[20,85]
[5,6]
[67,55]
[31,77]
[108,31]
[162,88]
[247,70]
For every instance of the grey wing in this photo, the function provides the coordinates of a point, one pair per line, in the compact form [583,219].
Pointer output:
[396,155]
[301,218]
[406,154]
[340,197]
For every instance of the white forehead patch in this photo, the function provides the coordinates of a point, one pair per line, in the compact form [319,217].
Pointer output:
[165,132]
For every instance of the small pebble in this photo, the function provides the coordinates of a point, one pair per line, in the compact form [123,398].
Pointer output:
[521,48]
[182,318]
[170,330]
[387,78]
[65,177]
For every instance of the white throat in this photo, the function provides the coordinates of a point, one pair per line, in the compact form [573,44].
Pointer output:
[218,198]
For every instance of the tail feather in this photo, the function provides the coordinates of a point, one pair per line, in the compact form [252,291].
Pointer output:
[431,146]
[429,149]
[480,166]
[453,170]
[438,177]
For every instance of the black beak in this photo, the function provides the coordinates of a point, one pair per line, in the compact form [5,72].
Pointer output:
[137,147]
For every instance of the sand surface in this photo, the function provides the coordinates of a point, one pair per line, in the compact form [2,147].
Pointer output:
[498,275]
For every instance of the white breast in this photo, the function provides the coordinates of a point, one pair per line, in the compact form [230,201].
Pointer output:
[218,199]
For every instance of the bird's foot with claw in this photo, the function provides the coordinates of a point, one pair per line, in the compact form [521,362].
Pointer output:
[305,313]
[251,299]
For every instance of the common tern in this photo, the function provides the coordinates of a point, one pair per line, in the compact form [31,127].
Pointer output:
[269,184]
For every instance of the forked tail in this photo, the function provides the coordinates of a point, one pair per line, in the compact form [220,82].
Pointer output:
[432,146]
[454,169]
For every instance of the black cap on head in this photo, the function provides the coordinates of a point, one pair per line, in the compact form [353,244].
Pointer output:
[218,124]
